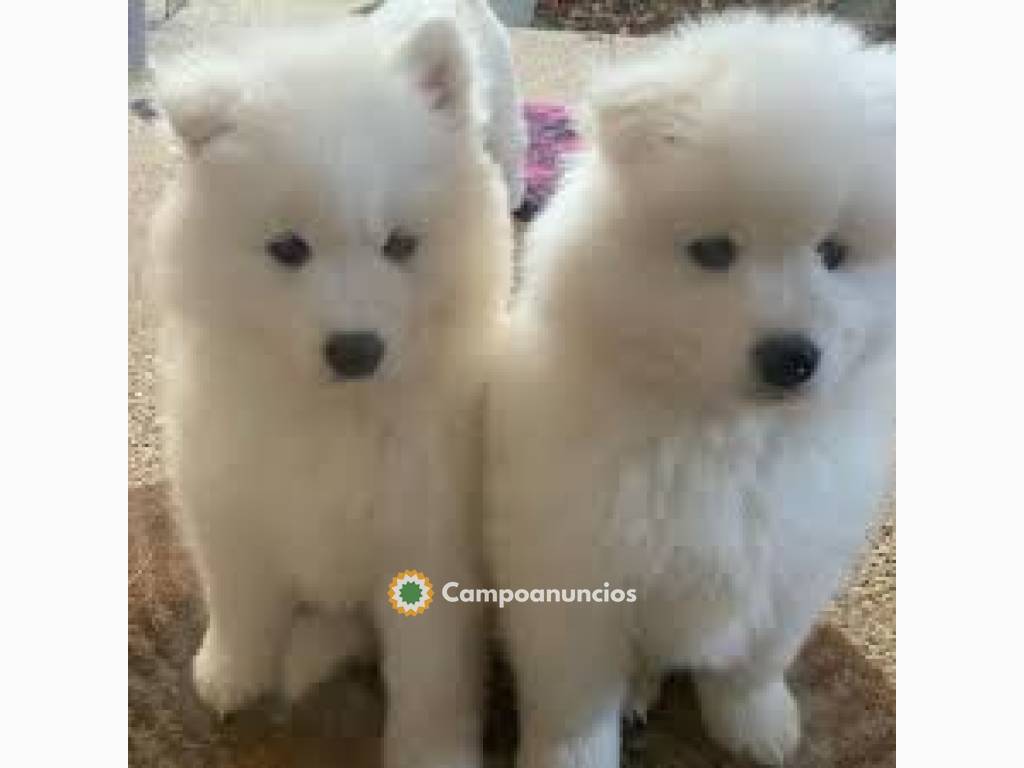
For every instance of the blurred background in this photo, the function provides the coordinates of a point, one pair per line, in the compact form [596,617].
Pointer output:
[631,17]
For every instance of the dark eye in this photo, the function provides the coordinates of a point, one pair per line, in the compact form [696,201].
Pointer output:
[289,250]
[833,253]
[714,253]
[400,246]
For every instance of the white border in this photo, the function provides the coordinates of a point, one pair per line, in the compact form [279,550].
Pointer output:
[62,341]
[961,383]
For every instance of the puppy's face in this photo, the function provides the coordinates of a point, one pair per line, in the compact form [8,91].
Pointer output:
[744,239]
[318,218]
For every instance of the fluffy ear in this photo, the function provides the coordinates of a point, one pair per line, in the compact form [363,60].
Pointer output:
[635,121]
[437,60]
[200,102]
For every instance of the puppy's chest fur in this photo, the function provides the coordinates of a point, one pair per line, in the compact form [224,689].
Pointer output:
[721,526]
[332,494]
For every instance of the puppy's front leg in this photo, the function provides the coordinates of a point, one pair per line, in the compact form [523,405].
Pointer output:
[249,616]
[571,683]
[431,667]
[749,708]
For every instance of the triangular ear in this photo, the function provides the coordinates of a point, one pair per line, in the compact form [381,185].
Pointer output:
[633,122]
[649,106]
[200,102]
[436,59]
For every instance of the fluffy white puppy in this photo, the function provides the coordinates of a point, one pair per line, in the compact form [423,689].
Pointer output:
[695,397]
[332,262]
[491,50]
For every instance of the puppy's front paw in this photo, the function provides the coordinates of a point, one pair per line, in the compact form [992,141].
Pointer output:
[762,723]
[222,682]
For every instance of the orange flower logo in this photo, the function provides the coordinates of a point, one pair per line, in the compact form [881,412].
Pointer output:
[410,593]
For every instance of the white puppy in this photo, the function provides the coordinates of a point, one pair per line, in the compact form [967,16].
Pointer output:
[695,399]
[489,45]
[332,263]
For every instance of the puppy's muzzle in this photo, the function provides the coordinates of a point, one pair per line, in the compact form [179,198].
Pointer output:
[353,355]
[785,361]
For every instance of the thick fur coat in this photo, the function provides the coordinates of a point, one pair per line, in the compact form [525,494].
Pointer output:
[335,186]
[638,438]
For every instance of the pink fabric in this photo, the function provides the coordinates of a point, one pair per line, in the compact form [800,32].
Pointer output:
[552,137]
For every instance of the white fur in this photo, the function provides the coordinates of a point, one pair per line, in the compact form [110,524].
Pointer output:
[505,128]
[300,494]
[630,442]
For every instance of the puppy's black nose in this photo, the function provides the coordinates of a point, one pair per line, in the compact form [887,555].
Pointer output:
[786,360]
[353,355]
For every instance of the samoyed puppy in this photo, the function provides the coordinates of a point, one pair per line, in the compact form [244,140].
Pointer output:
[489,45]
[332,264]
[694,401]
